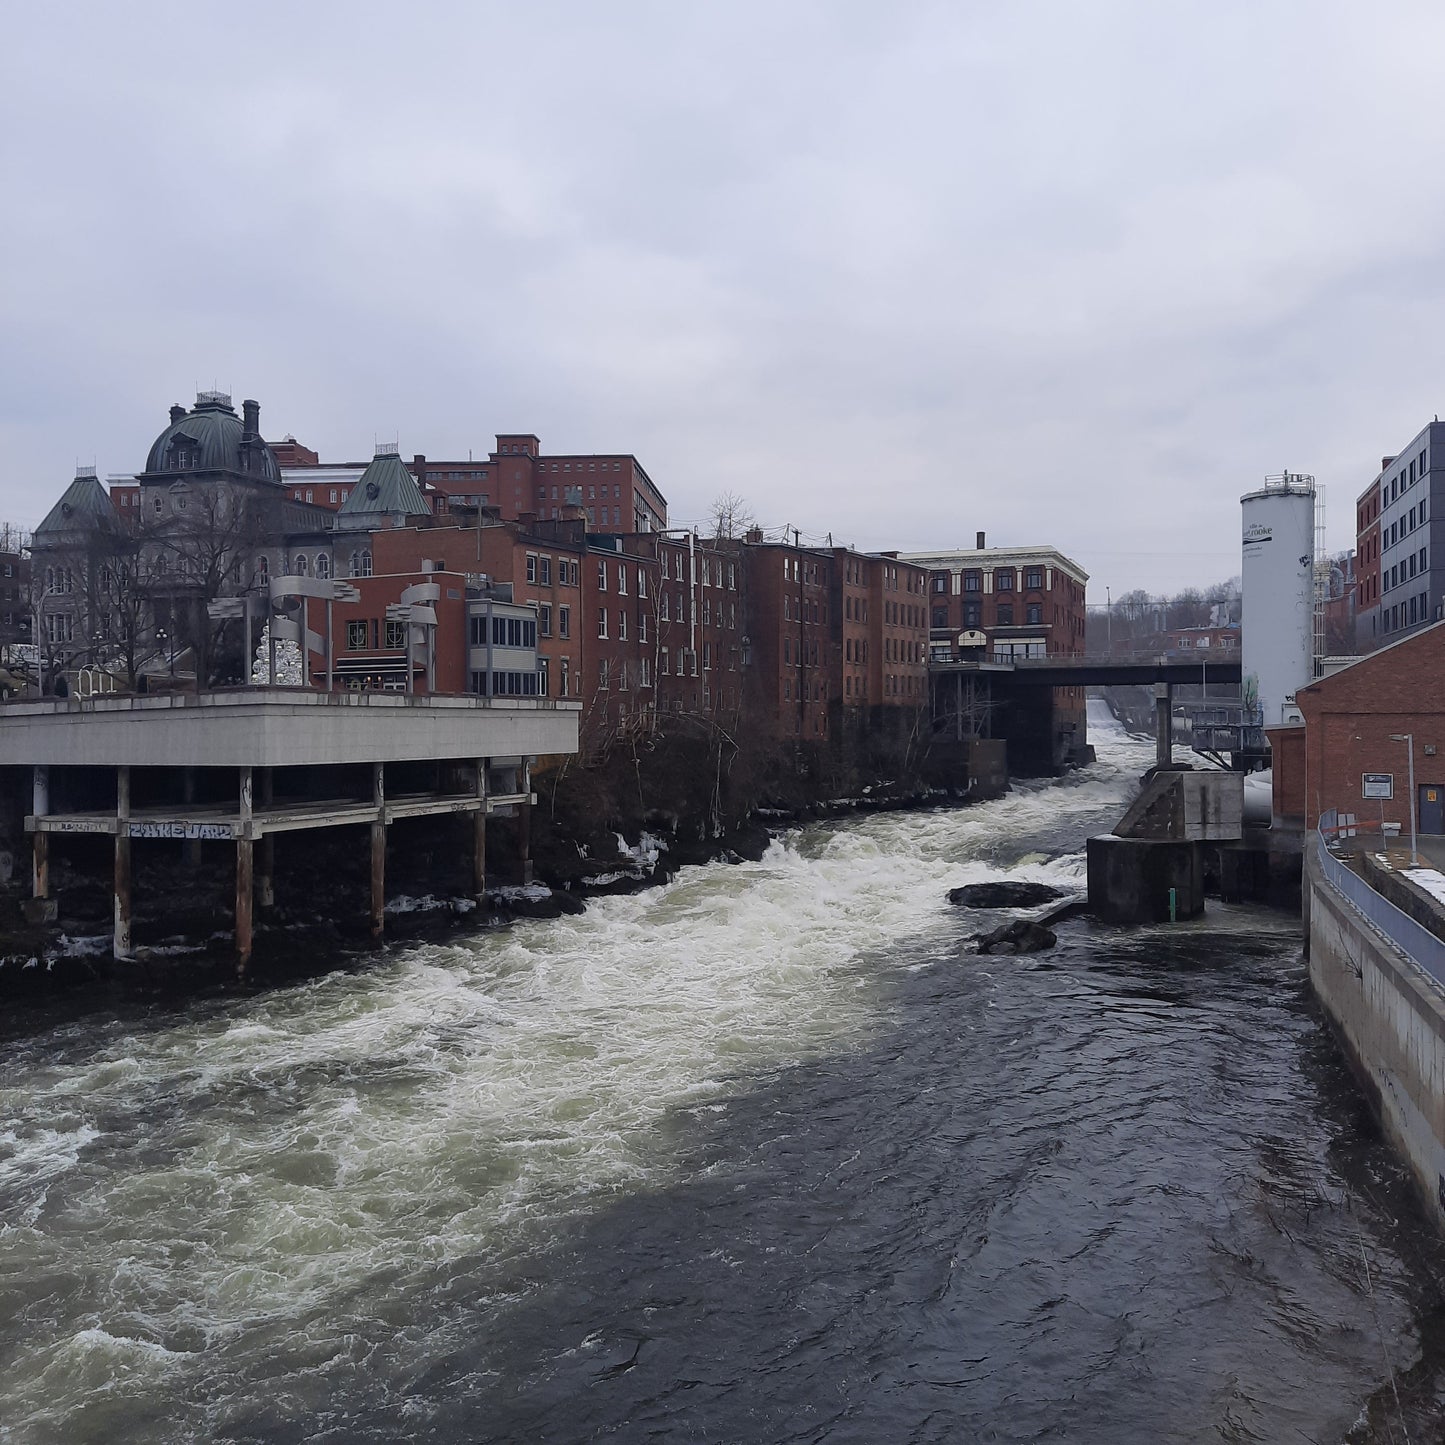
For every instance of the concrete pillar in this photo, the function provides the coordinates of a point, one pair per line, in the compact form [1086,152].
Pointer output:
[266,869]
[1163,725]
[479,836]
[245,890]
[191,848]
[245,896]
[40,806]
[524,821]
[120,938]
[378,849]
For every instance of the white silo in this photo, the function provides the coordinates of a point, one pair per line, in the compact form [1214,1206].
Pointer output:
[1277,582]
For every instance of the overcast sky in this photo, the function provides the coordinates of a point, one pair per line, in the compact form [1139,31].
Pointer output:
[1075,274]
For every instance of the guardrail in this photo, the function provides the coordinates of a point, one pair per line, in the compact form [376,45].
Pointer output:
[1419,943]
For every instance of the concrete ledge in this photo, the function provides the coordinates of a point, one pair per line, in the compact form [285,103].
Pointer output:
[281,727]
[1390,1018]
[1130,879]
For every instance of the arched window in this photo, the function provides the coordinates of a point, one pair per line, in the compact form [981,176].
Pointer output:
[361,562]
[302,565]
[323,565]
[50,579]
[263,569]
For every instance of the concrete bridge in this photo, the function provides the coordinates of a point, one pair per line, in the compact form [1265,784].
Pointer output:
[1095,671]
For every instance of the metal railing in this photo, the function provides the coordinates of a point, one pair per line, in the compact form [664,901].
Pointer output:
[1416,941]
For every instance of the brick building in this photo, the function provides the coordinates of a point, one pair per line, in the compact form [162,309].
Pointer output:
[517,479]
[1350,719]
[1395,519]
[1026,602]
[15,597]
[1367,564]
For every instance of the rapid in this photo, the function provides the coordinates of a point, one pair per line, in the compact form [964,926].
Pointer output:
[759,1155]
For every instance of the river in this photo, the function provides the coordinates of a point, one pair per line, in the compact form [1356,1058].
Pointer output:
[762,1155]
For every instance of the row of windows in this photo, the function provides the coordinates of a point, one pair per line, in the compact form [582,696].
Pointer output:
[303,566]
[370,634]
[1406,478]
[334,494]
[1003,579]
[1033,614]
[509,684]
[1407,569]
[902,614]
[1398,530]
[505,631]
[1407,613]
[591,494]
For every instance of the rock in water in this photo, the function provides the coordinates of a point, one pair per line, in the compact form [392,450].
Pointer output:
[1003,895]
[1018,937]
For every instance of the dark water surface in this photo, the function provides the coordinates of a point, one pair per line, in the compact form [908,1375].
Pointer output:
[758,1157]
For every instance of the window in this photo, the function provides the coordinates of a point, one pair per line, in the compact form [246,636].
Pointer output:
[332,496]
[642,627]
[361,562]
[564,622]
[602,623]
[395,636]
[303,565]
[940,582]
[622,579]
[940,617]
[1034,579]
[1003,579]
[602,576]
[1005,615]
[544,571]
[1033,614]
[641,583]
[531,566]
[621,624]
[356,635]
[664,662]
[644,673]
[544,620]
[973,580]
[323,565]
[604,672]
[663,610]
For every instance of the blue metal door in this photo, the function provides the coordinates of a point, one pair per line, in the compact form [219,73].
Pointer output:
[1432,808]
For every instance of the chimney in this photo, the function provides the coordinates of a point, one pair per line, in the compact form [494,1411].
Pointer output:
[979,543]
[177,414]
[250,420]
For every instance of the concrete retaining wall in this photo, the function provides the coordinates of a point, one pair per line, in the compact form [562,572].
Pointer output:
[1390,1016]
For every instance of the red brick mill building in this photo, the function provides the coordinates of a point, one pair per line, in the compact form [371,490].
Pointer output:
[1350,743]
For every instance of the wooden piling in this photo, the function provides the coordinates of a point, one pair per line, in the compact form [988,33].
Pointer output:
[244,902]
[40,806]
[378,849]
[120,937]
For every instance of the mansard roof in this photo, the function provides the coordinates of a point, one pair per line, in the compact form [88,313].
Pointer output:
[84,506]
[386,487]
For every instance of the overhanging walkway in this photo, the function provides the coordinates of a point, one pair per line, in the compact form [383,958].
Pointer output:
[487,747]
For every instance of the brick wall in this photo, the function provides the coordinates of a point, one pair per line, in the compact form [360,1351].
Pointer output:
[1350,716]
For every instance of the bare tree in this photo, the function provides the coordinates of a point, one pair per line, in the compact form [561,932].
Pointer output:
[731,517]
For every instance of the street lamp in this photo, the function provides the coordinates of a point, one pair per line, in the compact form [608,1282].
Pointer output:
[1409,740]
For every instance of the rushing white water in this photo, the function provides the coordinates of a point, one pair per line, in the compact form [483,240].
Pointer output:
[181,1197]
